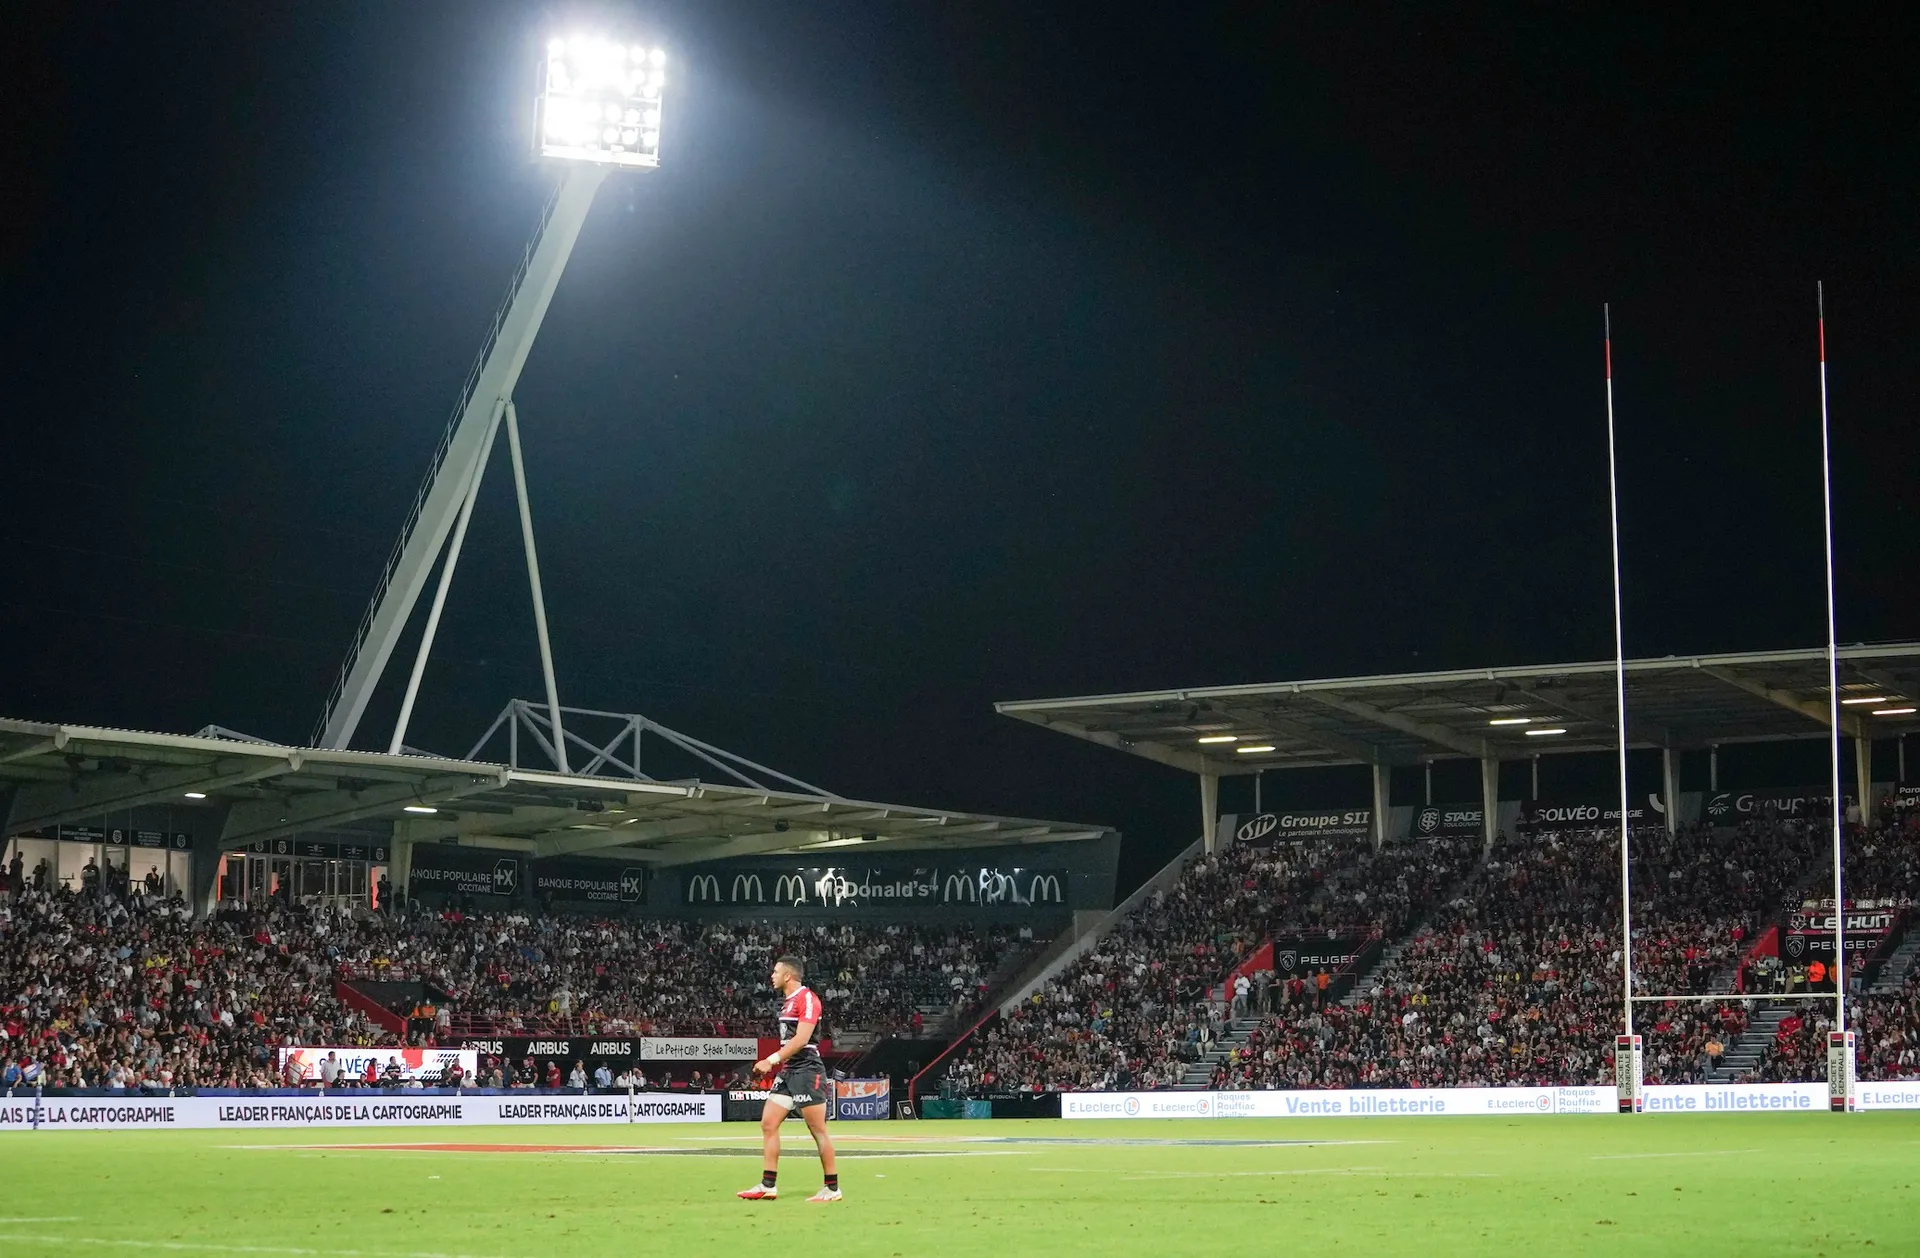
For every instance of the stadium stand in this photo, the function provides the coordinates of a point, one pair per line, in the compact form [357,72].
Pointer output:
[1134,1012]
[103,990]
[1515,979]
[1505,970]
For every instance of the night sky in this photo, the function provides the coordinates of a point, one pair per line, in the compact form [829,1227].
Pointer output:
[959,352]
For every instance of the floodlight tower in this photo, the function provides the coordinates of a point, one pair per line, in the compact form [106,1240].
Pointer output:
[598,110]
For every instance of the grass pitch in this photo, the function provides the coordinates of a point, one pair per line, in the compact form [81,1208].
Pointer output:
[1815,1184]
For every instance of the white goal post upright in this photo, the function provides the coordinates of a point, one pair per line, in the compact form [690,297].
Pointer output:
[1840,1051]
[1628,1077]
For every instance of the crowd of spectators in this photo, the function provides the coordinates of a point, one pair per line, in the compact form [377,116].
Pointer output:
[129,993]
[1517,980]
[105,989]
[518,974]
[1136,1010]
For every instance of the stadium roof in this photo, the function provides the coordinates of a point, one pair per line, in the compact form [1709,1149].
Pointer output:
[55,774]
[1689,701]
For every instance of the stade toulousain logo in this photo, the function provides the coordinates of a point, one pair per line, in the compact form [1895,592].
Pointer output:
[1428,820]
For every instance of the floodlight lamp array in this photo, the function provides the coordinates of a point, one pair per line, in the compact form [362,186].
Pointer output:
[600,101]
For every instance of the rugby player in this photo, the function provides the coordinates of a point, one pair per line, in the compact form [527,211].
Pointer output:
[799,1082]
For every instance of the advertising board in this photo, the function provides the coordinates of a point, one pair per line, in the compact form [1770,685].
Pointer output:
[349,1109]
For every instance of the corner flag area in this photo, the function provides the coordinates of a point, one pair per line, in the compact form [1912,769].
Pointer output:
[1786,1184]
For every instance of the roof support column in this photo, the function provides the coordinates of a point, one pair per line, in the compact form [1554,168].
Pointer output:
[1713,767]
[1429,799]
[1863,776]
[1382,779]
[399,865]
[203,867]
[1489,802]
[1209,812]
[1669,787]
[1257,809]
[1536,778]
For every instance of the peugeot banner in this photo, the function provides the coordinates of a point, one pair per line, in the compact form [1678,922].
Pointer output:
[1304,957]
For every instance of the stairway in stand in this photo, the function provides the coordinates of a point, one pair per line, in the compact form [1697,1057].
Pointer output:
[1200,1073]
[1893,975]
[1744,1054]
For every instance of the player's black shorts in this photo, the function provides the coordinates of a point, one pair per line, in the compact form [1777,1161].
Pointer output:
[805,1085]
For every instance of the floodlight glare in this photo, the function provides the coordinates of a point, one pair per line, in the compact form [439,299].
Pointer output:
[1544,733]
[1253,751]
[1873,699]
[595,96]
[1219,738]
[1511,720]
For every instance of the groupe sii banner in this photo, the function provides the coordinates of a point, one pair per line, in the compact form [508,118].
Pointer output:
[424,1064]
[344,1111]
[616,1050]
[851,888]
[1702,1098]
[1267,828]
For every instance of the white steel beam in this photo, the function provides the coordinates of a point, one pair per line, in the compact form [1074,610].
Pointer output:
[493,380]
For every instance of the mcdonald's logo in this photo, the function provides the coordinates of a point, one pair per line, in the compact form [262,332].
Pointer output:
[959,887]
[1045,889]
[702,888]
[748,883]
[791,889]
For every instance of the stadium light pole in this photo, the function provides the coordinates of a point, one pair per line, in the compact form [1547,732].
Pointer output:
[598,110]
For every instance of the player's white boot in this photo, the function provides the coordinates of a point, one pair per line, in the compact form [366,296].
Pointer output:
[825,1194]
[759,1192]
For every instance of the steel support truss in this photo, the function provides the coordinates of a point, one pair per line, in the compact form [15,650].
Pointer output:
[617,747]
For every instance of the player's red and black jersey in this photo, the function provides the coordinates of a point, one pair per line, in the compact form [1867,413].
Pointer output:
[802,1006]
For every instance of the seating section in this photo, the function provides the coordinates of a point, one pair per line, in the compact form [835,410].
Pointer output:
[1133,1012]
[97,990]
[1502,971]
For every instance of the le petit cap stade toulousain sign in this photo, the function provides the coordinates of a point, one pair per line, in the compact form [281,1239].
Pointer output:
[1759,1098]
[341,1110]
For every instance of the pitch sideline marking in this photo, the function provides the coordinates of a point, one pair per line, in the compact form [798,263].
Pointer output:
[213,1248]
[1692,1153]
[50,1218]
